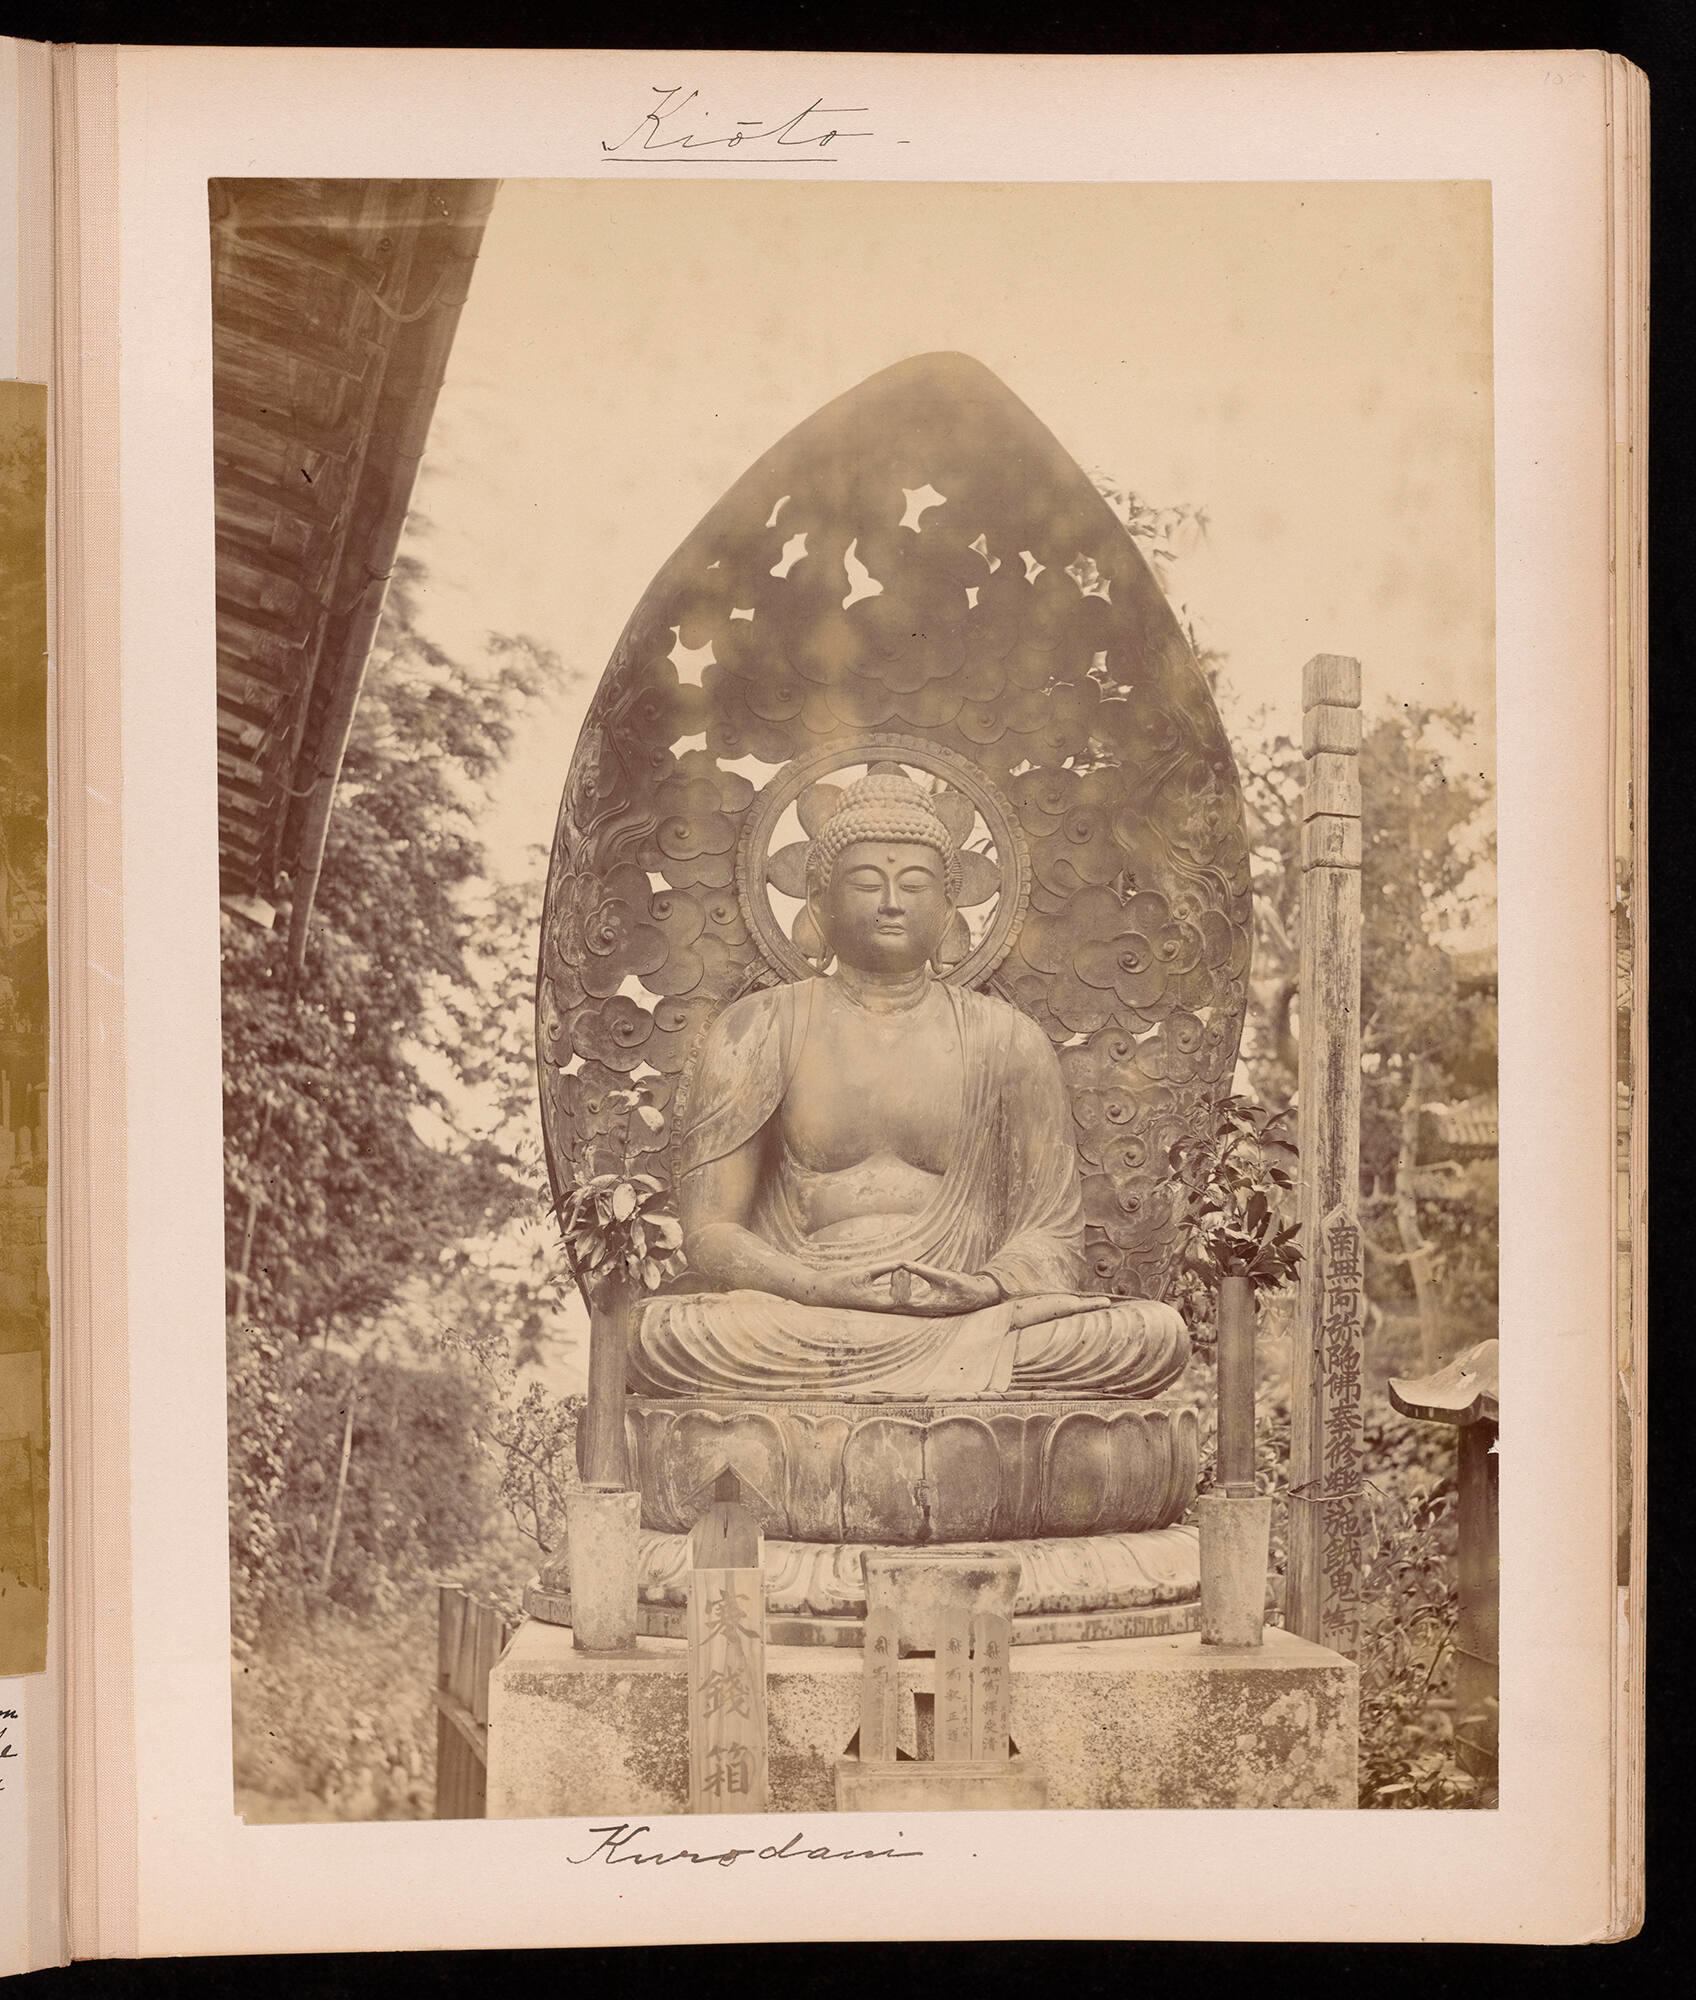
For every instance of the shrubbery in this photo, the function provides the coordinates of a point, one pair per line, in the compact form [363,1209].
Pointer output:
[1408,1589]
[356,1514]
[334,1720]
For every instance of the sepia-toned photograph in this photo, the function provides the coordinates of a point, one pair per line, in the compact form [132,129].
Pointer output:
[856,831]
[23,1031]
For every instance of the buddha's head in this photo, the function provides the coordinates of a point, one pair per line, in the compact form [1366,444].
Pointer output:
[883,874]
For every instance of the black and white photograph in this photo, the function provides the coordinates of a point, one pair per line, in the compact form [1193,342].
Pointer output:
[24,1287]
[856,848]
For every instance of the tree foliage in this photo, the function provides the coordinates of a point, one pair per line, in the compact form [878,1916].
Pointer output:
[350,1478]
[1410,1601]
[329,1089]
[368,1122]
[1416,809]
[1424,1035]
[530,1433]
[618,1228]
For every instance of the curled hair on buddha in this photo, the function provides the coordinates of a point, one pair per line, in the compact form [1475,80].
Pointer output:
[882,806]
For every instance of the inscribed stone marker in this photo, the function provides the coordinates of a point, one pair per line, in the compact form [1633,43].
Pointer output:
[879,1687]
[992,1688]
[953,1686]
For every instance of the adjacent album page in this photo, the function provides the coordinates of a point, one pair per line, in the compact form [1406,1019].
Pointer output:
[31,1049]
[1159,436]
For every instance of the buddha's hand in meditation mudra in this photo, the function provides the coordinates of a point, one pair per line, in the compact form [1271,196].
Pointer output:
[878,1179]
[922,1288]
[908,1287]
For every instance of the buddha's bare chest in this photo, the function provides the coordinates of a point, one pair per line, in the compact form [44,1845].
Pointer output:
[874,1085]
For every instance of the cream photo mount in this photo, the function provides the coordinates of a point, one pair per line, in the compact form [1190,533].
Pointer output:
[161,1864]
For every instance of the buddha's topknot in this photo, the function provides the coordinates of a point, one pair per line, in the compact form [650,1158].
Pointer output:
[886,806]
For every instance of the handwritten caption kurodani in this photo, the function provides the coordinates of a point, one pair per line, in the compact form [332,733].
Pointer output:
[614,1844]
[8,1749]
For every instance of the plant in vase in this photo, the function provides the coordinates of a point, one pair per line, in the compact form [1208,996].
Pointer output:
[1237,1189]
[619,1241]
[1235,1186]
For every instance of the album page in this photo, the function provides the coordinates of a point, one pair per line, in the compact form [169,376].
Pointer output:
[956,609]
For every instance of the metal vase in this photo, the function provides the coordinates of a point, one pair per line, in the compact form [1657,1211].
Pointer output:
[602,1457]
[601,1525]
[1235,1544]
[1235,1323]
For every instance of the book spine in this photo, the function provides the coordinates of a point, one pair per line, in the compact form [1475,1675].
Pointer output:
[87,955]
[1628,344]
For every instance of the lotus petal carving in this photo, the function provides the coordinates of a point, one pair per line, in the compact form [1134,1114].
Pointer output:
[946,1473]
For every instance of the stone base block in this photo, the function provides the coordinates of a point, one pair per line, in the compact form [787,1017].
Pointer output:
[1126,1723]
[1043,1628]
[1172,1724]
[1160,1566]
[572,1736]
[1013,1785]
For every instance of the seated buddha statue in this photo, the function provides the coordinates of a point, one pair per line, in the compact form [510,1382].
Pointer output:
[877,1177]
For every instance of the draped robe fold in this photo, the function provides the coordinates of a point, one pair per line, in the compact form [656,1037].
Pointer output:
[1008,1203]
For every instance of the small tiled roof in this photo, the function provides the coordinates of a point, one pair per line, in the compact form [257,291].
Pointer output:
[1468,1128]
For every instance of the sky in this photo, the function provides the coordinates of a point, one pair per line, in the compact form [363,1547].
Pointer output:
[1309,363]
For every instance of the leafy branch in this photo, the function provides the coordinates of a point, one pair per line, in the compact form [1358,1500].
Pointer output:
[615,1225]
[1236,1189]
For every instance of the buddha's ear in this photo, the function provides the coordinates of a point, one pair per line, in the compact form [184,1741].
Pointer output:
[809,936]
[954,945]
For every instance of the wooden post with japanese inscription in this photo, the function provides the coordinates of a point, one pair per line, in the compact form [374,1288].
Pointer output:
[1323,1602]
[727,1657]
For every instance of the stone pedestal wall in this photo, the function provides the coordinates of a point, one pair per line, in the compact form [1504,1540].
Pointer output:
[1123,1723]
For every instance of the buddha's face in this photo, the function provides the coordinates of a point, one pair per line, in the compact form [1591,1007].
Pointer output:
[886,907]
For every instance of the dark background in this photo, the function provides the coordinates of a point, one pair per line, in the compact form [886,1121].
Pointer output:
[1659,35]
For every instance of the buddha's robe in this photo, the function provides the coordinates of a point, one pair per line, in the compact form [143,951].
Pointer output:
[1008,1204]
